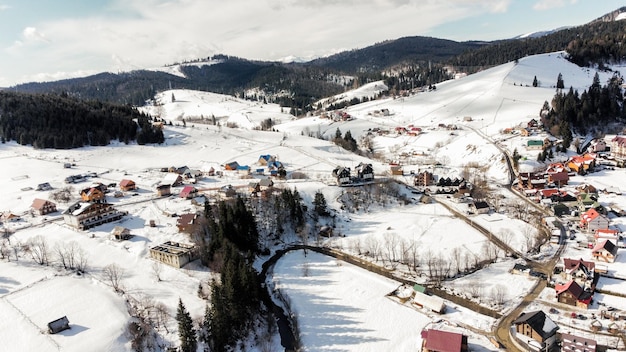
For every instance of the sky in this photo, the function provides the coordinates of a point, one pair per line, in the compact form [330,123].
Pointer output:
[44,40]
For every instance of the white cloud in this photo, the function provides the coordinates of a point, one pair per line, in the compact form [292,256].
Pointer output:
[132,34]
[543,5]
[32,34]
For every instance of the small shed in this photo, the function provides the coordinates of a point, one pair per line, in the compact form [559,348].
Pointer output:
[58,325]
[121,233]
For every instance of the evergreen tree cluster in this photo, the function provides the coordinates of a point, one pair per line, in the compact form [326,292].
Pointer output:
[62,122]
[580,113]
[235,299]
[229,223]
[347,142]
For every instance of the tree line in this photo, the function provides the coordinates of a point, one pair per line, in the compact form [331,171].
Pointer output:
[591,111]
[62,122]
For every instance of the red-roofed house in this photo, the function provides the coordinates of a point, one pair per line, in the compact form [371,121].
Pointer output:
[618,146]
[557,174]
[573,294]
[605,251]
[591,220]
[443,341]
[127,185]
[188,192]
[43,206]
[583,272]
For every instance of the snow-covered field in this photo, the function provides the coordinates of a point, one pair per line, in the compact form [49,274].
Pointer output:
[339,307]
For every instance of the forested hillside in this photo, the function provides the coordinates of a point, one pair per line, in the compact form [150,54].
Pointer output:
[58,121]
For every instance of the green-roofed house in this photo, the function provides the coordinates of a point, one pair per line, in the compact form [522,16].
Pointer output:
[534,144]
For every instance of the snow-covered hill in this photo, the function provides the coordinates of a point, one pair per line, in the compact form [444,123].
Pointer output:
[479,105]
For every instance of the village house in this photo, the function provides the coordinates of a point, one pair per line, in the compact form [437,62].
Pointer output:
[443,341]
[365,172]
[533,124]
[573,343]
[618,147]
[173,179]
[591,221]
[581,271]
[605,251]
[187,222]
[396,169]
[431,302]
[9,216]
[534,144]
[121,233]
[243,170]
[606,234]
[163,190]
[227,191]
[531,180]
[581,163]
[174,254]
[85,215]
[191,174]
[557,174]
[127,185]
[536,326]
[573,294]
[587,201]
[188,192]
[479,207]
[266,184]
[92,194]
[232,166]
[266,159]
[43,206]
[342,174]
[597,145]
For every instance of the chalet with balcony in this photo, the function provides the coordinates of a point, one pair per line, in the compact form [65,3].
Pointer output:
[127,185]
[365,172]
[92,194]
[85,215]
[573,294]
[43,206]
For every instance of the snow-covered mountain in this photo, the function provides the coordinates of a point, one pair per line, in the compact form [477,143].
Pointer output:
[208,130]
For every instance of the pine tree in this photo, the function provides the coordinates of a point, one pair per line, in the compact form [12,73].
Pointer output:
[319,203]
[559,82]
[186,331]
[535,83]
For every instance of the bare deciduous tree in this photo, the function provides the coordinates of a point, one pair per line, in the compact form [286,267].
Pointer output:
[114,274]
[157,268]
[498,294]
[39,250]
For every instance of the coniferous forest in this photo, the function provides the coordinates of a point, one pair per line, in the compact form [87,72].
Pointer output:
[62,122]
